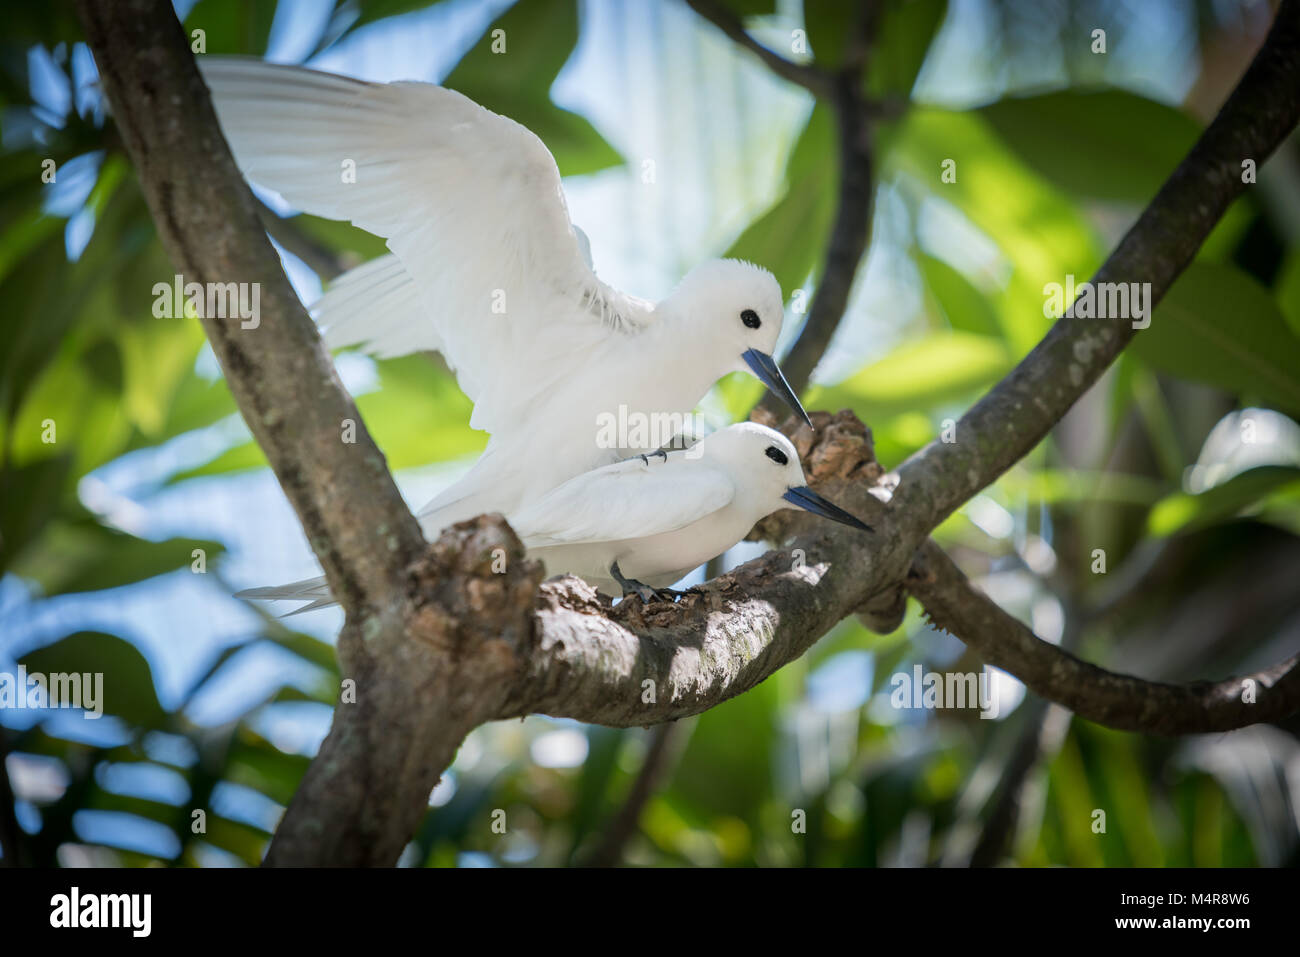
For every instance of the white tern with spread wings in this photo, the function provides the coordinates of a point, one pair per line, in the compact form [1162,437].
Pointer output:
[487,269]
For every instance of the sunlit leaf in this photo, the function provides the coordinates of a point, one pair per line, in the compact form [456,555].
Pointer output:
[1182,512]
[1107,144]
[789,237]
[919,375]
[1040,234]
[965,307]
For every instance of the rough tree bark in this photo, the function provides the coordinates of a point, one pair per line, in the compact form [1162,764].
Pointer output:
[436,644]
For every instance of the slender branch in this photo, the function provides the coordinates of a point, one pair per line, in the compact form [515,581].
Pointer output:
[664,745]
[322,260]
[1041,736]
[849,234]
[810,78]
[1020,410]
[1117,701]
[847,244]
[1038,736]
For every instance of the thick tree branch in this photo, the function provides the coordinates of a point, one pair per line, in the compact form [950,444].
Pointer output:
[429,632]
[594,666]
[421,679]
[280,374]
[808,77]
[1117,701]
[1015,416]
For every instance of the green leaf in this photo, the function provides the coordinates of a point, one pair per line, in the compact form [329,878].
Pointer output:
[1039,233]
[60,361]
[538,35]
[1288,290]
[750,8]
[1105,144]
[372,10]
[256,763]
[903,38]
[789,237]
[343,237]
[1218,325]
[80,555]
[162,395]
[597,770]
[47,23]
[241,458]
[232,26]
[830,25]
[30,496]
[1182,512]
[1050,486]
[940,367]
[417,416]
[965,307]
[306,647]
[198,402]
[128,688]
[243,840]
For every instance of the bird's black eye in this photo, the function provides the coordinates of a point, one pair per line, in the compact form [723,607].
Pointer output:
[776,455]
[750,318]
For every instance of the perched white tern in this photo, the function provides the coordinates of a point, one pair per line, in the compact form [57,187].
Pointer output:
[642,524]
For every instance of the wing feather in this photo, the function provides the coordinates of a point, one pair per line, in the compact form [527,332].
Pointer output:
[470,203]
[624,501]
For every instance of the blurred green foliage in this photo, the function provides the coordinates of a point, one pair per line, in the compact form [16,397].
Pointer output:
[1147,472]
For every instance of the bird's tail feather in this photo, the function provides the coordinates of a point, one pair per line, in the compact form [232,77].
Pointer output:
[316,591]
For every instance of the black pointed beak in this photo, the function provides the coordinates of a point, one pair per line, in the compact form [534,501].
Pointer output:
[769,373]
[807,499]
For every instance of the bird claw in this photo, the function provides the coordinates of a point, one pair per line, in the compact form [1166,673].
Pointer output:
[643,591]
[650,595]
[646,456]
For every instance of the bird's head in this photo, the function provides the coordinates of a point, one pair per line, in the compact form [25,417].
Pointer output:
[738,306]
[766,466]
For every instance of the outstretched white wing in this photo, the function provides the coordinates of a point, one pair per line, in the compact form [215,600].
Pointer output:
[488,269]
[625,500]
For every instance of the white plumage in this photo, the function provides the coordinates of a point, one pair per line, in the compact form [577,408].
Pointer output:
[487,269]
[639,525]
[653,520]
